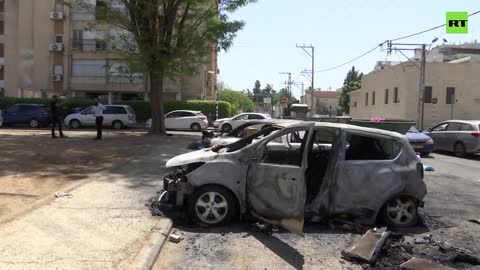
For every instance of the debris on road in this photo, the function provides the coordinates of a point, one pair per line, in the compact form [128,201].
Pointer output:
[63,194]
[175,238]
[476,221]
[428,168]
[368,247]
[347,226]
[423,264]
[424,239]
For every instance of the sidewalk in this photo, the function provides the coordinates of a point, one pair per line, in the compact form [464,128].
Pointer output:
[105,225]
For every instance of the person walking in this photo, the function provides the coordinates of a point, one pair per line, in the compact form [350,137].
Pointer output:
[57,118]
[98,109]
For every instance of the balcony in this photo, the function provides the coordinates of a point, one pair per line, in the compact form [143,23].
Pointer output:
[90,45]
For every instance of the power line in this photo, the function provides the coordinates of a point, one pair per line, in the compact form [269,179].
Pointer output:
[381,44]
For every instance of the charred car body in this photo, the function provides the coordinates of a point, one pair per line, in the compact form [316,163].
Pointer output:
[301,171]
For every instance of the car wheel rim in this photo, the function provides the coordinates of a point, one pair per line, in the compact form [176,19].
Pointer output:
[211,207]
[226,128]
[117,125]
[75,124]
[34,123]
[401,211]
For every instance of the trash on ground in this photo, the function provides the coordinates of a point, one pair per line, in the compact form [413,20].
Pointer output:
[428,168]
[175,238]
[423,264]
[63,194]
[368,247]
[476,221]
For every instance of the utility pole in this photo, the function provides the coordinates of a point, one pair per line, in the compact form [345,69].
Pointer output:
[312,56]
[288,83]
[421,88]
[302,84]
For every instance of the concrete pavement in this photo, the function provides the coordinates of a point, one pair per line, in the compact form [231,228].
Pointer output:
[105,225]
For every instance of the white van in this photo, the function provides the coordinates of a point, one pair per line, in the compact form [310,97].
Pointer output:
[116,116]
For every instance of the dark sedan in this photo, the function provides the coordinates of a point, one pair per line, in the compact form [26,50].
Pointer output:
[34,115]
[420,142]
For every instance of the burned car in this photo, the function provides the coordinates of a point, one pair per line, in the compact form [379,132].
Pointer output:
[306,171]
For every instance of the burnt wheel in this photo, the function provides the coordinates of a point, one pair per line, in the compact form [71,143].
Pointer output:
[401,211]
[211,206]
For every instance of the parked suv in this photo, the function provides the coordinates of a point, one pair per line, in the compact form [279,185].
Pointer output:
[458,136]
[34,115]
[116,116]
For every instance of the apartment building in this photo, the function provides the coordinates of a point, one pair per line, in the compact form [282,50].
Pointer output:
[322,102]
[52,48]
[452,92]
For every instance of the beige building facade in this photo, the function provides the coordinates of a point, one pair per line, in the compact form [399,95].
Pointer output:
[322,102]
[392,93]
[52,48]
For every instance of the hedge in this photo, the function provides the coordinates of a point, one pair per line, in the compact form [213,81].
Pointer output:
[141,108]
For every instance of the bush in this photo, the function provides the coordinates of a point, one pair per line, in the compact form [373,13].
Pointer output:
[141,108]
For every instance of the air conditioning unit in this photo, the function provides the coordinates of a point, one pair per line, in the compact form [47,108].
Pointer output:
[56,16]
[56,47]
[57,78]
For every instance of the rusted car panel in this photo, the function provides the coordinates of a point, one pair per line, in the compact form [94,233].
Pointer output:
[341,170]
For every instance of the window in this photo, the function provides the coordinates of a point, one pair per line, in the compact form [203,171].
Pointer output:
[366,99]
[115,110]
[88,111]
[395,95]
[286,149]
[386,96]
[466,127]
[450,98]
[59,7]
[241,117]
[58,69]
[12,109]
[186,114]
[2,50]
[355,104]
[427,94]
[255,116]
[453,126]
[173,115]
[89,68]
[2,91]
[77,39]
[361,147]
[373,98]
[59,39]
[440,127]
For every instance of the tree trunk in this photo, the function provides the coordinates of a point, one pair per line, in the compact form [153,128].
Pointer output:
[156,103]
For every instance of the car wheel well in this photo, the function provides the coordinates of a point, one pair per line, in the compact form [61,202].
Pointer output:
[463,145]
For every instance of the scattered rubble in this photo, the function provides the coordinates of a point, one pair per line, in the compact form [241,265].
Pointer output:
[422,264]
[368,247]
[63,194]
[175,238]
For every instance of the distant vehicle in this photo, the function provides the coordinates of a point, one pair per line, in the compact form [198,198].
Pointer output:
[420,142]
[183,119]
[227,124]
[34,115]
[298,111]
[116,116]
[461,137]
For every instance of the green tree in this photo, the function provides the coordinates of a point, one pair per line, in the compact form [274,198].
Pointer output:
[257,91]
[240,101]
[267,91]
[166,39]
[352,82]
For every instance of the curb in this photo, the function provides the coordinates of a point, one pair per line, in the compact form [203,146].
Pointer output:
[152,245]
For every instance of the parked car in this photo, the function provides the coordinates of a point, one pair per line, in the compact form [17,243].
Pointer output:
[227,124]
[183,119]
[34,115]
[288,176]
[116,116]
[461,137]
[420,142]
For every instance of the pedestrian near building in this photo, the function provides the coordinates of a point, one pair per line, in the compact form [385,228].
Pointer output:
[56,115]
[98,109]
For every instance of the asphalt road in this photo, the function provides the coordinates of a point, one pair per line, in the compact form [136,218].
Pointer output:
[452,199]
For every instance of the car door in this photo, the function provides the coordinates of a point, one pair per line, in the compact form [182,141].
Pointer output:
[276,189]
[367,174]
[239,120]
[438,136]
[171,120]
[186,119]
[87,117]
[10,115]
[451,135]
[109,115]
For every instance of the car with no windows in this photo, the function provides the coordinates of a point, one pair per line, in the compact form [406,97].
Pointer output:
[303,171]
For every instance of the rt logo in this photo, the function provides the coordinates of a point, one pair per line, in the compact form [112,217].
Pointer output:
[457,22]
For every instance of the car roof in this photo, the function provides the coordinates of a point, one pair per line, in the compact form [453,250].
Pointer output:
[464,121]
[186,111]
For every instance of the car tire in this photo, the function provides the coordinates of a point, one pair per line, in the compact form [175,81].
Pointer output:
[195,127]
[400,211]
[459,150]
[117,124]
[74,123]
[226,128]
[34,123]
[211,206]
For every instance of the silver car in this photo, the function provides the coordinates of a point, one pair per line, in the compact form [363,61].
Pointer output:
[461,137]
[306,171]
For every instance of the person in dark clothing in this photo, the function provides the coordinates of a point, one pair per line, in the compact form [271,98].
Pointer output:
[56,115]
[98,109]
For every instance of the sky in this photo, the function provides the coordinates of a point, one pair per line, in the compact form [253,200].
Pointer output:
[339,30]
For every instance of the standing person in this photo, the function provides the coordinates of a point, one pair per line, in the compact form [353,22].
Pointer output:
[98,109]
[57,118]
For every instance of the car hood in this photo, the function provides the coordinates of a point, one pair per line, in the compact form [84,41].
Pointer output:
[415,137]
[224,140]
[203,155]
[223,119]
